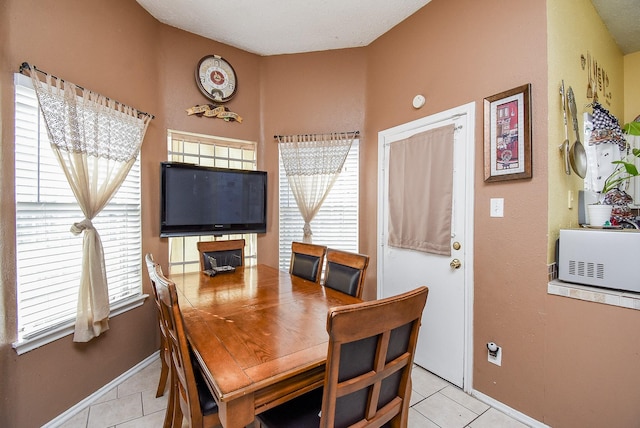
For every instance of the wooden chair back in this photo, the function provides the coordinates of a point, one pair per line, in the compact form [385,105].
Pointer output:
[346,271]
[165,354]
[307,260]
[229,253]
[189,393]
[369,361]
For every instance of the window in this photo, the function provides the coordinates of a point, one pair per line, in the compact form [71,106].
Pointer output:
[335,225]
[49,257]
[216,152]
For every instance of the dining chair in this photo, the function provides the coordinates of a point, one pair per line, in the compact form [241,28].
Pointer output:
[307,260]
[190,397]
[368,370]
[345,271]
[165,354]
[225,253]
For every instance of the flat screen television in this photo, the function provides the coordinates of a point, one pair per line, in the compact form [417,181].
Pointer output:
[198,200]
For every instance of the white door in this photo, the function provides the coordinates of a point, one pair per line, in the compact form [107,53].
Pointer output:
[444,344]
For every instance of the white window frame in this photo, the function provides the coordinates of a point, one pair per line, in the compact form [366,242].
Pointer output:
[336,223]
[220,152]
[32,201]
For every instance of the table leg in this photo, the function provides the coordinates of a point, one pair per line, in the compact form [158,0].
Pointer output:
[237,413]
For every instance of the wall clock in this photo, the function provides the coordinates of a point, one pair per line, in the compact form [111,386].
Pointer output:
[216,78]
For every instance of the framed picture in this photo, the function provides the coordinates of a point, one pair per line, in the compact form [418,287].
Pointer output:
[507,135]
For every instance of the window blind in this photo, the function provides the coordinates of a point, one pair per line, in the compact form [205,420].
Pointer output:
[217,152]
[49,256]
[336,223]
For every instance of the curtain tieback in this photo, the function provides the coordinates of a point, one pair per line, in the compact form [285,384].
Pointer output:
[307,229]
[81,226]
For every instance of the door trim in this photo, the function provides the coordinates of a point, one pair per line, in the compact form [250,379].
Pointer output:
[463,115]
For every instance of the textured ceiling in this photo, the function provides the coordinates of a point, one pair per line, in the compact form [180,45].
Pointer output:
[293,26]
[622,18]
[284,26]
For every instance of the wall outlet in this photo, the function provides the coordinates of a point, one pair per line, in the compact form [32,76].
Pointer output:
[494,354]
[570,200]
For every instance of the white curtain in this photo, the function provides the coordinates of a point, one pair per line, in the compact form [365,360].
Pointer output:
[96,141]
[312,164]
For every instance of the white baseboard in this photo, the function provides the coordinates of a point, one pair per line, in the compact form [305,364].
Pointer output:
[71,412]
[519,416]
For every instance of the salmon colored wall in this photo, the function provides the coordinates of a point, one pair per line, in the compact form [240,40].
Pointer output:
[6,295]
[176,62]
[592,358]
[175,59]
[566,363]
[106,55]
[308,93]
[455,53]
[592,369]
[115,48]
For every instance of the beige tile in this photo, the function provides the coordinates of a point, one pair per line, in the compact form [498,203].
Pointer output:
[445,412]
[145,379]
[415,397]
[435,404]
[493,418]
[112,394]
[153,420]
[461,397]
[425,383]
[417,420]
[78,421]
[151,404]
[113,412]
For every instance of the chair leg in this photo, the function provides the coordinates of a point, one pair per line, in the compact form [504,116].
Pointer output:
[177,410]
[171,403]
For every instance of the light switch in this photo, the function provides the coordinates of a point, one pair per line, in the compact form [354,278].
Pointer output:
[497,207]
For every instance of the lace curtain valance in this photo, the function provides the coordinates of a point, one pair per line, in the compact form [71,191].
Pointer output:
[312,163]
[96,141]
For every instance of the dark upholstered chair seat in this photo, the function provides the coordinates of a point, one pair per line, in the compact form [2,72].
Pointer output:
[301,412]
[223,258]
[343,278]
[225,253]
[306,266]
[208,404]
[368,370]
[345,271]
[307,260]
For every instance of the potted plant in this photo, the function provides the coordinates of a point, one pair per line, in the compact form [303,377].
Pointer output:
[625,170]
[611,195]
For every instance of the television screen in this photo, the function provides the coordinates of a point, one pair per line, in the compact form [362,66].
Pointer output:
[198,200]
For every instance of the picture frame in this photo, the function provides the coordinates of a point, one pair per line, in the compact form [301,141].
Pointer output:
[507,135]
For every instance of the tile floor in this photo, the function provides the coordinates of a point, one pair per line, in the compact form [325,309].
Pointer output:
[434,404]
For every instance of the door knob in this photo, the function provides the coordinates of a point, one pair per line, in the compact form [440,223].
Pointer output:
[455,264]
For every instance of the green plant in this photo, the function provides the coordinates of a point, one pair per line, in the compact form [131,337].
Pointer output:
[625,171]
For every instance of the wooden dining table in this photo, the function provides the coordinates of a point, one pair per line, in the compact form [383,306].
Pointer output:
[259,334]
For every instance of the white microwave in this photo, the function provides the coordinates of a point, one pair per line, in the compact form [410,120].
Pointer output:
[600,257]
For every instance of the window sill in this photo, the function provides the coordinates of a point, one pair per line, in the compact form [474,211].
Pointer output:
[623,299]
[60,331]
